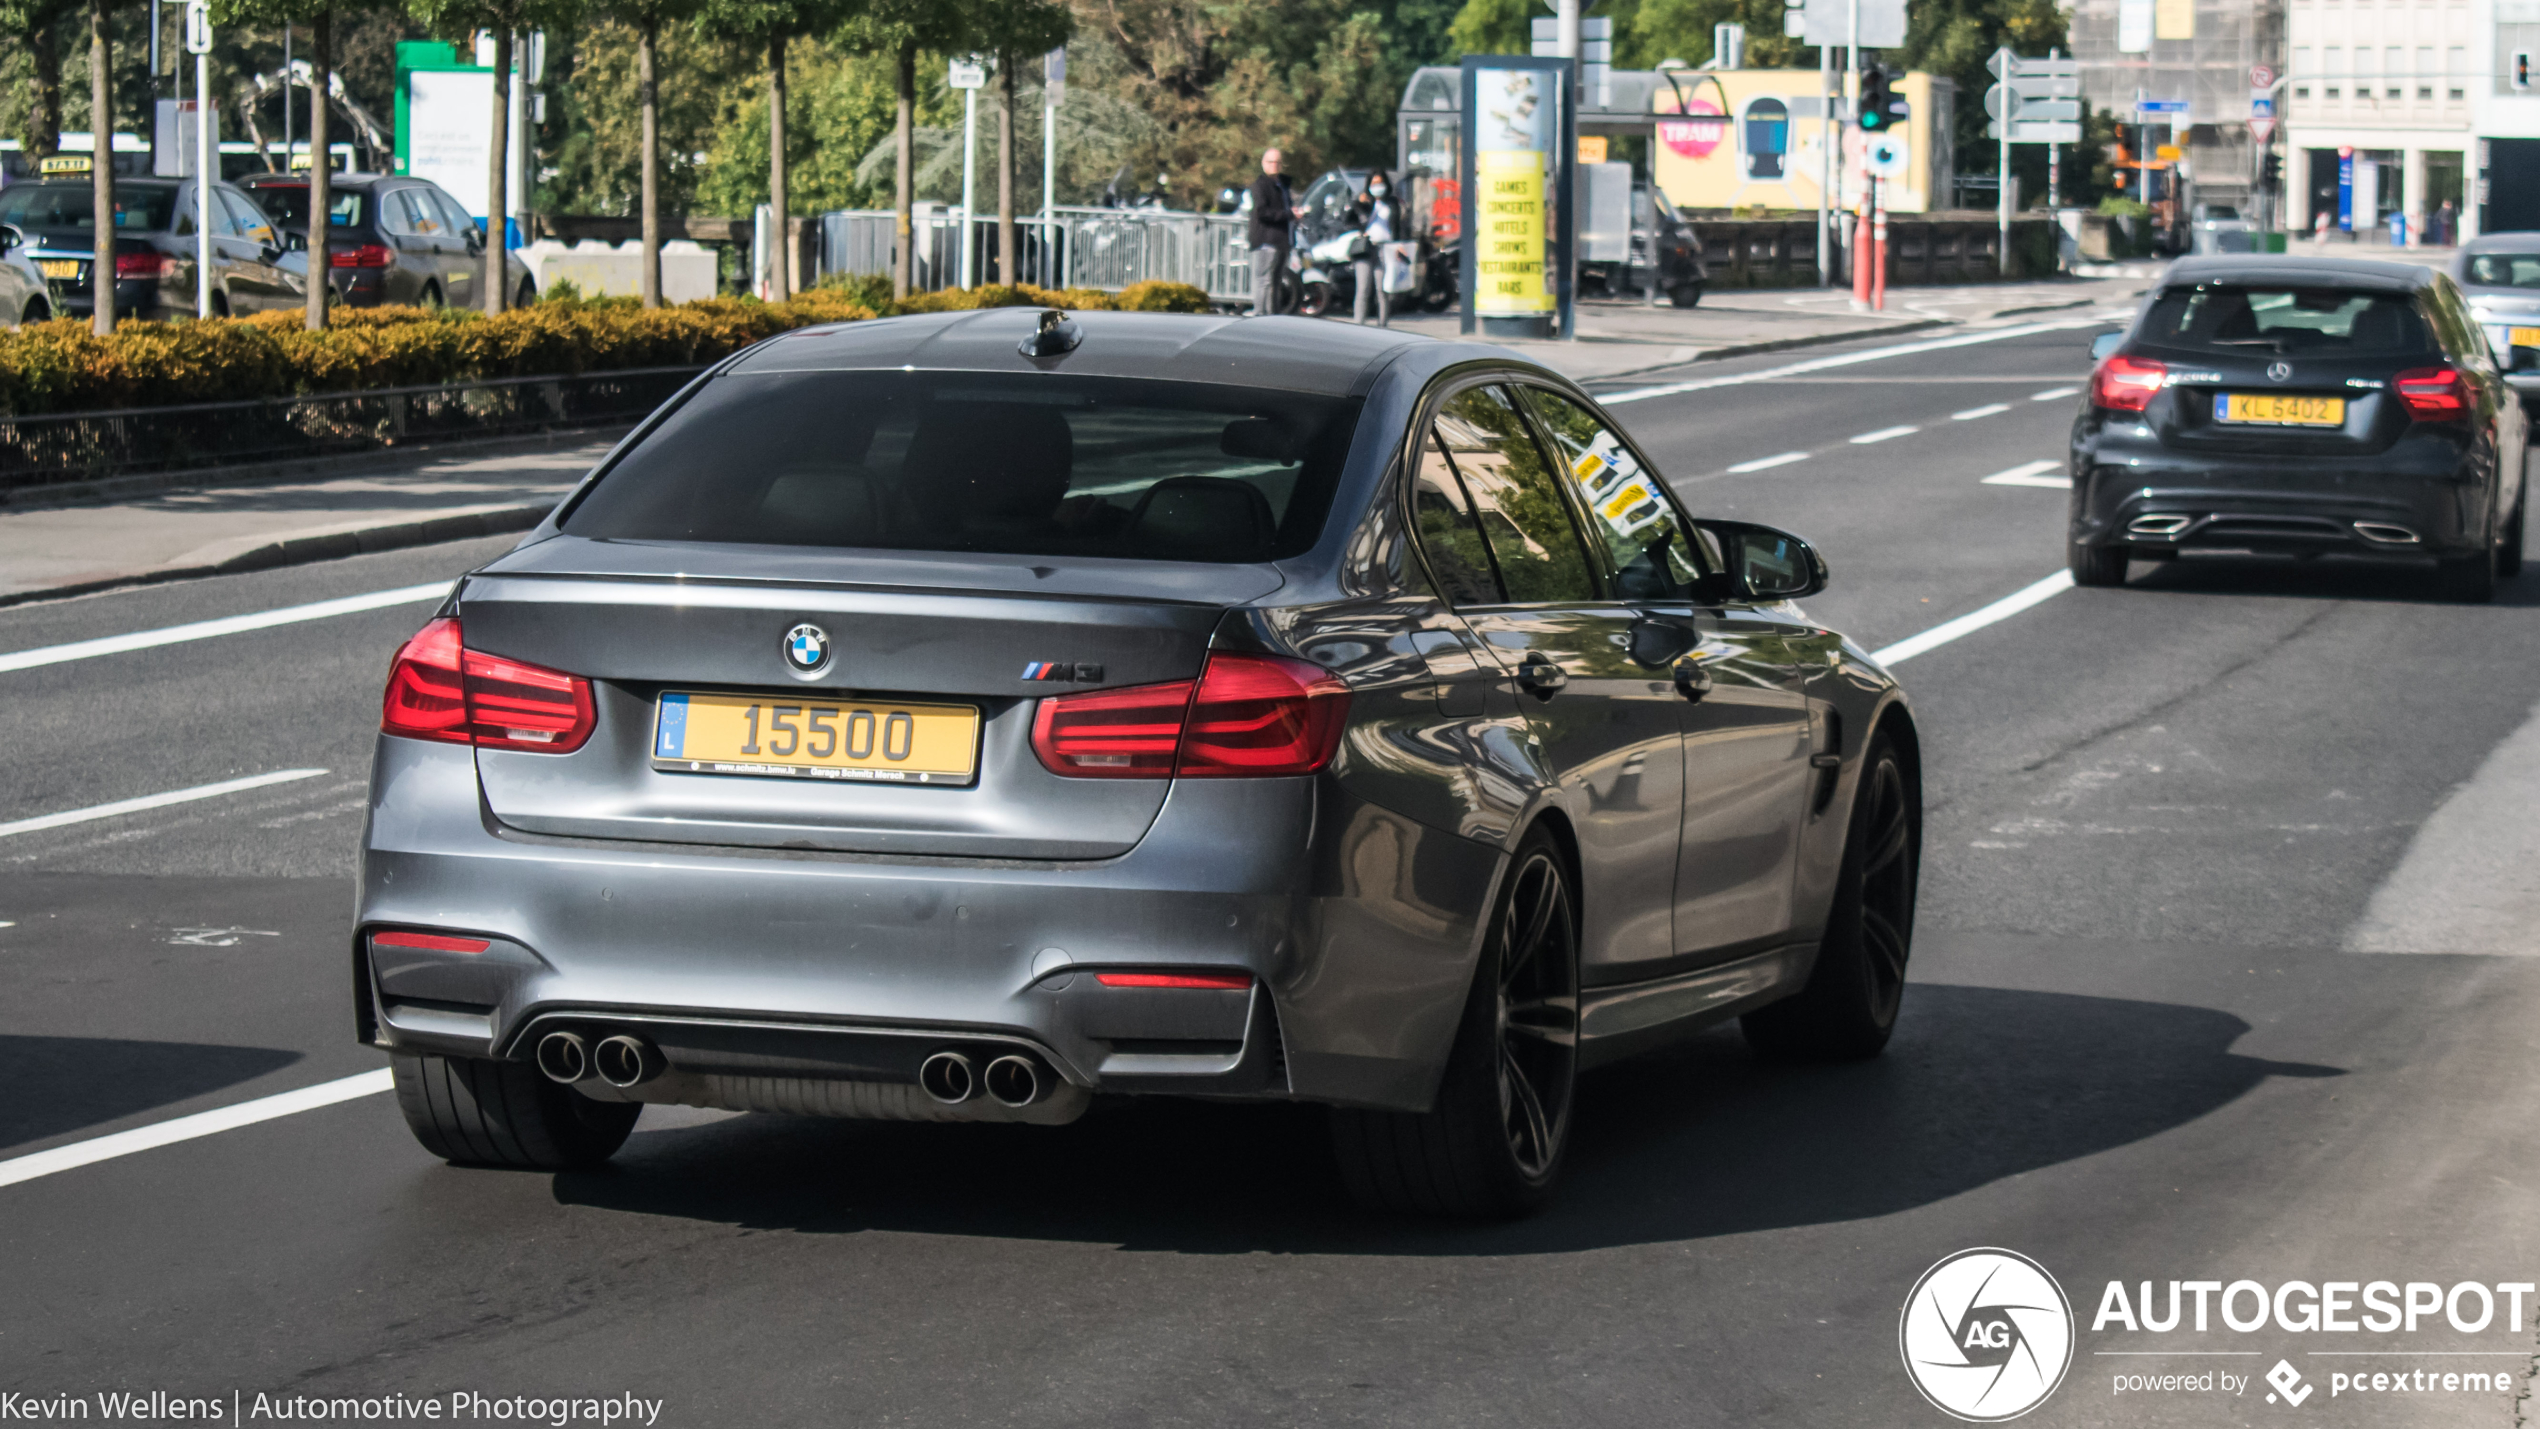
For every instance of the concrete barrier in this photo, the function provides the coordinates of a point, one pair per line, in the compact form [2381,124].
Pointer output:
[598,268]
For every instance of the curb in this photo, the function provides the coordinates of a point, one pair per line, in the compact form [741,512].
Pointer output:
[302,550]
[319,468]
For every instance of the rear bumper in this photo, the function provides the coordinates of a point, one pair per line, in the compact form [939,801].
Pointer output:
[866,963]
[134,298]
[2418,500]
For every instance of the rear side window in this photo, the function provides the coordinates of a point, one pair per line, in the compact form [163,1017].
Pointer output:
[1627,509]
[289,205]
[2225,319]
[138,209]
[1013,463]
[1449,535]
[2504,270]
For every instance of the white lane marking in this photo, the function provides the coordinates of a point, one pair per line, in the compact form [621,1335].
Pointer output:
[1987,410]
[2032,473]
[1767,462]
[2051,393]
[1883,434]
[228,625]
[1845,359]
[1975,620]
[187,1128]
[155,801]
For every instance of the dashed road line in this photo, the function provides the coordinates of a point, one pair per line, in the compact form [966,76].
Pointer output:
[1975,620]
[1987,410]
[155,801]
[2033,473]
[2051,393]
[1883,434]
[1767,463]
[228,625]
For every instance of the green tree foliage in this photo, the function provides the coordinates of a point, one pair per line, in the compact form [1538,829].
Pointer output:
[1956,38]
[32,32]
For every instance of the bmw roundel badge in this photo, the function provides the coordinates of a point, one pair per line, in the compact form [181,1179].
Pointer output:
[807,648]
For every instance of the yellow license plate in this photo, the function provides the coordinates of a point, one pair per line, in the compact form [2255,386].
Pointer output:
[2523,337]
[2280,411]
[60,267]
[789,736]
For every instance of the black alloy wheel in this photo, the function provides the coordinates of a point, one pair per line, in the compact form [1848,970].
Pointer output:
[1492,1143]
[1848,1009]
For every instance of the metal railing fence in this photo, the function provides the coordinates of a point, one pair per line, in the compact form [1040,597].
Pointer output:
[1106,248]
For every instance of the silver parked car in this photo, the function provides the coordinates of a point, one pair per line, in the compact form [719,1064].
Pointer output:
[25,297]
[961,717]
[2500,275]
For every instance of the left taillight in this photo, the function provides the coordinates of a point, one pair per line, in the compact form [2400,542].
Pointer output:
[1247,716]
[2433,394]
[440,689]
[144,265]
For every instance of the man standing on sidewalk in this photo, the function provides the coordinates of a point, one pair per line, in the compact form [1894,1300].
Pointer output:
[1271,218]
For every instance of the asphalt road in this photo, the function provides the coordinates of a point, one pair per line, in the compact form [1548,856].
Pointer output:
[2135,1047]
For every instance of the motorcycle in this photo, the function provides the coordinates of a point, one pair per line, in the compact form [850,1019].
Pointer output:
[1327,273]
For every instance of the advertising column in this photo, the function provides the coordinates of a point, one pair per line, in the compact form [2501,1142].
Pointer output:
[1517,171]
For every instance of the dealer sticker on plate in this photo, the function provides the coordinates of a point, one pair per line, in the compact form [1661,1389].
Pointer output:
[789,737]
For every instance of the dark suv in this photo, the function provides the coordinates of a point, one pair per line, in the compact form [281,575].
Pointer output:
[155,247]
[391,239]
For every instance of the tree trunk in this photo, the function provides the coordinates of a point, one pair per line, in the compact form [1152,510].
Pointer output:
[101,170]
[498,175]
[321,168]
[904,178]
[648,96]
[780,238]
[1007,262]
[44,118]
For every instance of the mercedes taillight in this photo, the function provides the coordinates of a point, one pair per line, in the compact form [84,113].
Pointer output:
[2127,384]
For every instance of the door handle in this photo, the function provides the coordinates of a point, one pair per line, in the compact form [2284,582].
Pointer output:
[1692,681]
[1541,677]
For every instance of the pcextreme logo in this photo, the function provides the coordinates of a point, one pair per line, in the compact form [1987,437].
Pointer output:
[1986,1335]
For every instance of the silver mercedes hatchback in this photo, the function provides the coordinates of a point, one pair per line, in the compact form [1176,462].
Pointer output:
[961,718]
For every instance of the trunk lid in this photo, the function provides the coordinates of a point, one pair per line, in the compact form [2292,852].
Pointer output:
[2191,418]
[642,619]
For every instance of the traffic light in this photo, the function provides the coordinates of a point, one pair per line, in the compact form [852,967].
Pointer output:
[2271,172]
[1882,109]
[2522,69]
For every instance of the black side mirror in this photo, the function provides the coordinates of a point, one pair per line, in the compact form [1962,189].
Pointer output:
[10,238]
[1765,564]
[2104,344]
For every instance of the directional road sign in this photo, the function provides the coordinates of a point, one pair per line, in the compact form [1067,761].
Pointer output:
[2038,98]
[2026,131]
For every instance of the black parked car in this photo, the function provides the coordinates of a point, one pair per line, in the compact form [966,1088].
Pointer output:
[391,239]
[2301,406]
[155,247]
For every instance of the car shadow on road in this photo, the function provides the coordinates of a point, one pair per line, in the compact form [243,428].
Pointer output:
[2327,578]
[62,1084]
[1981,1083]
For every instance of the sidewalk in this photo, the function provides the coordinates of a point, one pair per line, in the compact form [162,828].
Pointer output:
[210,530]
[1618,338]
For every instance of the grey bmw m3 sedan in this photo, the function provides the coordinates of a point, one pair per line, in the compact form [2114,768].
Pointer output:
[965,717]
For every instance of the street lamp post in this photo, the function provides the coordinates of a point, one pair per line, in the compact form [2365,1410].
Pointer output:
[198,39]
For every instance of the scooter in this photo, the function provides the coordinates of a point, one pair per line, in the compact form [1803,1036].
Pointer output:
[1328,273]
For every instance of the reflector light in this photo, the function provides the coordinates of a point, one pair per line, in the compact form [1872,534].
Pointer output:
[2433,394]
[1219,982]
[431,942]
[2127,384]
[438,689]
[1247,716]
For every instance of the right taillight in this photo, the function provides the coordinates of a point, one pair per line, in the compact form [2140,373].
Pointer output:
[2127,384]
[440,689]
[1247,716]
[2433,394]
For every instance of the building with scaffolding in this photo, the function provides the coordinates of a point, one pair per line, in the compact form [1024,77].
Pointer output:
[2181,69]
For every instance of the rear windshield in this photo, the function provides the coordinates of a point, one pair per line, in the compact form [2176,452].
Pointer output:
[1020,463]
[137,210]
[2225,319]
[2505,270]
[289,205]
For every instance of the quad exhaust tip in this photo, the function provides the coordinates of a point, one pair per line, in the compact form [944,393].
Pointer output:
[1016,1081]
[948,1078]
[2383,533]
[623,1061]
[564,1057]
[2158,525]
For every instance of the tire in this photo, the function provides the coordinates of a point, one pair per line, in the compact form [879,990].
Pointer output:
[432,296]
[220,303]
[1315,300]
[2509,555]
[527,295]
[1685,295]
[1492,1144]
[38,311]
[476,1112]
[1848,1008]
[2468,580]
[2097,565]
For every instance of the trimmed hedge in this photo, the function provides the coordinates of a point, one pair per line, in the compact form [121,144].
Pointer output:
[62,366]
